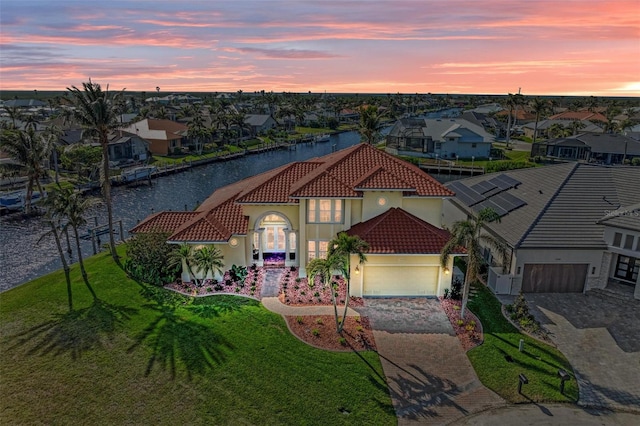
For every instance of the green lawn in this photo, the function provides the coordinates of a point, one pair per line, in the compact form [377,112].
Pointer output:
[539,362]
[152,357]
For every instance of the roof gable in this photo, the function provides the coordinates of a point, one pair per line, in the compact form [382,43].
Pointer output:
[399,232]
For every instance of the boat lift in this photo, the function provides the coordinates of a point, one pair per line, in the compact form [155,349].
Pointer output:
[97,231]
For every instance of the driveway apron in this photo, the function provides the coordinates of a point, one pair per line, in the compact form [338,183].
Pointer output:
[601,340]
[430,378]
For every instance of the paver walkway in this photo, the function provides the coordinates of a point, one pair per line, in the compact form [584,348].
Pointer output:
[271,283]
[601,340]
[430,378]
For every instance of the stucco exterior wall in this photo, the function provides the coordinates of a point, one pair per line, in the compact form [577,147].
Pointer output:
[375,203]
[427,209]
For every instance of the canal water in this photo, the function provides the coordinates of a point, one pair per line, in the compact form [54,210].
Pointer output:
[25,254]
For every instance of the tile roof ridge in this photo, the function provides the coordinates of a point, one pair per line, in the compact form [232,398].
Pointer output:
[277,172]
[543,210]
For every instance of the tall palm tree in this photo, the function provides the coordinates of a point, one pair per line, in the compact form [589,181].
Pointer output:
[369,123]
[343,246]
[183,258]
[468,234]
[30,150]
[208,259]
[324,269]
[54,219]
[96,110]
[539,107]
[238,119]
[73,206]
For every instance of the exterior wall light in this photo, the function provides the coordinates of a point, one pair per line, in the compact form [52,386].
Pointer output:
[357,269]
[446,271]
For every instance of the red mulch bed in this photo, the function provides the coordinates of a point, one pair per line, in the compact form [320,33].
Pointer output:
[252,286]
[357,332]
[296,291]
[469,332]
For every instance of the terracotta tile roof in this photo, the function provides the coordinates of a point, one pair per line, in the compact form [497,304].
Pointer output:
[277,188]
[398,232]
[380,178]
[166,125]
[164,222]
[338,175]
[579,115]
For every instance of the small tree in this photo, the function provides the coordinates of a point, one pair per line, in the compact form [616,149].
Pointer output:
[467,233]
[342,247]
[208,259]
[324,268]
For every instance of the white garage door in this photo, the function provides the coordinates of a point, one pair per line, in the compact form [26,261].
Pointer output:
[400,280]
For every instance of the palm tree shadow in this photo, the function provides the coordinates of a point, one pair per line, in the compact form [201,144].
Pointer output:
[177,342]
[74,332]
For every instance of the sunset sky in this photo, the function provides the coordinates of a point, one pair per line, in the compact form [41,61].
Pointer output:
[569,47]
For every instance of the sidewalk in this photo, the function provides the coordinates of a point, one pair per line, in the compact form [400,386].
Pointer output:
[549,414]
[275,305]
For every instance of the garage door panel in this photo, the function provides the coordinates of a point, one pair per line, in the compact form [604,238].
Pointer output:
[554,278]
[400,280]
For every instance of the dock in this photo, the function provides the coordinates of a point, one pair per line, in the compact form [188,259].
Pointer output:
[449,167]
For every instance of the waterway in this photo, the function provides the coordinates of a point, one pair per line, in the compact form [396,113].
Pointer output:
[26,253]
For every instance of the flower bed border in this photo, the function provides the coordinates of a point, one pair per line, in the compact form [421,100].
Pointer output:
[468,340]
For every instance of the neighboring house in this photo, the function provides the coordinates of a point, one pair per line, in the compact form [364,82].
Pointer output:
[489,124]
[288,215]
[579,116]
[164,136]
[622,235]
[606,148]
[550,221]
[127,148]
[542,131]
[260,123]
[443,138]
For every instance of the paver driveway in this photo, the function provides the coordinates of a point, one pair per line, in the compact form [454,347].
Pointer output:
[601,339]
[430,378]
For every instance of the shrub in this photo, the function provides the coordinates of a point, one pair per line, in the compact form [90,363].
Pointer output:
[315,332]
[299,320]
[460,322]
[319,321]
[446,293]
[148,257]
[359,329]
[238,273]
[456,289]
[342,341]
[635,161]
[357,318]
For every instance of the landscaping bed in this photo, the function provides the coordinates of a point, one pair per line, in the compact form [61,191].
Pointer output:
[296,291]
[251,285]
[469,329]
[320,331]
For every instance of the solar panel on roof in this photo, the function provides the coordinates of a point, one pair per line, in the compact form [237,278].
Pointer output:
[483,187]
[466,194]
[504,182]
[490,204]
[507,201]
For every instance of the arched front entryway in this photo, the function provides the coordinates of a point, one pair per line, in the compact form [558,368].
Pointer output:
[274,241]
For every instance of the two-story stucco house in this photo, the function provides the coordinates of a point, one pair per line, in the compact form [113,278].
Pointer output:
[289,215]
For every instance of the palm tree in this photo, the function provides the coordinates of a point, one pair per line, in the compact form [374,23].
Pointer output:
[324,268]
[183,258]
[73,206]
[208,259]
[238,119]
[14,114]
[539,107]
[468,234]
[343,246]
[95,109]
[31,151]
[53,218]
[369,123]
[197,131]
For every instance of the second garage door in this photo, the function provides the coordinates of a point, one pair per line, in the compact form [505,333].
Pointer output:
[400,280]
[554,278]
